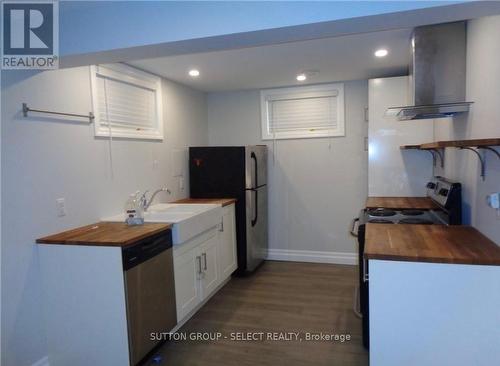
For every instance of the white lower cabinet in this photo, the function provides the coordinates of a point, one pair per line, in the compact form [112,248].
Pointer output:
[227,243]
[202,264]
[187,289]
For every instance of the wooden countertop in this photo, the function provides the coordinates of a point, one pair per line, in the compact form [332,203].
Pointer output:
[430,243]
[221,201]
[422,203]
[116,234]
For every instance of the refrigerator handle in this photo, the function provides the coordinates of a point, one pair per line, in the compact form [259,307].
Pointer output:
[256,207]
[254,157]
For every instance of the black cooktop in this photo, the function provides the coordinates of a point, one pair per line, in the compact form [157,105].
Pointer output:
[381,212]
[412,212]
[407,216]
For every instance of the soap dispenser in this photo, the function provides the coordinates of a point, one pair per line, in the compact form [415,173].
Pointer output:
[133,211]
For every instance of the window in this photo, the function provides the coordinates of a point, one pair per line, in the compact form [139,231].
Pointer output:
[303,112]
[127,102]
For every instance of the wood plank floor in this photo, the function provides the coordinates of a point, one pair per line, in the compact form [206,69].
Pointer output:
[280,297]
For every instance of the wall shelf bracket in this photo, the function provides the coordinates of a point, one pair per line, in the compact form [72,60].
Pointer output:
[436,153]
[433,156]
[481,159]
[489,148]
[440,154]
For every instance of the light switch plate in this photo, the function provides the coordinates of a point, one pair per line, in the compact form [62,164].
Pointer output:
[493,200]
[61,207]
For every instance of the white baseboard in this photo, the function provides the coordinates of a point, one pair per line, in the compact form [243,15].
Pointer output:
[312,256]
[42,362]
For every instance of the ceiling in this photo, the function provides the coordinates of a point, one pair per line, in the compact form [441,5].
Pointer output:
[334,59]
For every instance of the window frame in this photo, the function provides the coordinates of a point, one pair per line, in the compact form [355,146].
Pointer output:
[332,89]
[133,76]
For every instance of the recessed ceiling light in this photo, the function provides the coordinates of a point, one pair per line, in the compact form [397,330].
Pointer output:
[194,73]
[381,53]
[301,77]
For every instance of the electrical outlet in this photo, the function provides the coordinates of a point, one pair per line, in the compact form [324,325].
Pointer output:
[61,207]
[493,200]
[155,164]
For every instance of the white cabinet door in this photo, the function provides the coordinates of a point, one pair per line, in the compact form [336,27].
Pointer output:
[187,284]
[227,244]
[209,262]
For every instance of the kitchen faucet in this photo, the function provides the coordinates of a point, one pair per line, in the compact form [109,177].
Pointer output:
[145,203]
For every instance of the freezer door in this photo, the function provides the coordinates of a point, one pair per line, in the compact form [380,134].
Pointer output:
[256,223]
[216,172]
[255,166]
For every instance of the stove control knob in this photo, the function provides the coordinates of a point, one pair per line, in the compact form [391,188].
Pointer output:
[431,185]
[443,192]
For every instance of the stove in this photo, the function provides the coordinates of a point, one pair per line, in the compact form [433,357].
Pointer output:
[444,193]
[447,196]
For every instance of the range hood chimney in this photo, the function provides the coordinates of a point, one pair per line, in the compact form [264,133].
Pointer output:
[437,73]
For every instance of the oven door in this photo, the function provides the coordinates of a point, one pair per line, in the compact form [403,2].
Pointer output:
[363,285]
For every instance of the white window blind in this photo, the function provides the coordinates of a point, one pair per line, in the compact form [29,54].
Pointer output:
[312,111]
[127,102]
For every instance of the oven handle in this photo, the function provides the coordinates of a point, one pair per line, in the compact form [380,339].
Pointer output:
[353,226]
[356,307]
[365,270]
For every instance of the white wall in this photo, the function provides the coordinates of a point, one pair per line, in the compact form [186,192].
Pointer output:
[391,171]
[316,186]
[44,158]
[483,88]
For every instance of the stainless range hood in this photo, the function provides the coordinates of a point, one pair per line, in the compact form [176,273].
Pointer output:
[437,73]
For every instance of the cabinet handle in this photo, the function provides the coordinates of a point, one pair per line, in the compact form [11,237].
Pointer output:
[221,228]
[204,260]
[198,258]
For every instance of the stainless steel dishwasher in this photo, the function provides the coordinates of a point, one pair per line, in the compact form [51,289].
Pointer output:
[150,292]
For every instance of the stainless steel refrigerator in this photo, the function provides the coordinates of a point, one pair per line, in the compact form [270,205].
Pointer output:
[238,172]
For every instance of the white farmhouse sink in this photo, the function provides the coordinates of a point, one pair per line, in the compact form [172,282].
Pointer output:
[189,220]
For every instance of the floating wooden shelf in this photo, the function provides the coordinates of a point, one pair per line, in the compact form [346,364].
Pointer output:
[474,145]
[435,145]
[410,147]
[454,143]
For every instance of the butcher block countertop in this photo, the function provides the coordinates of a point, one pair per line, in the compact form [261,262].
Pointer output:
[110,234]
[422,203]
[430,243]
[220,201]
